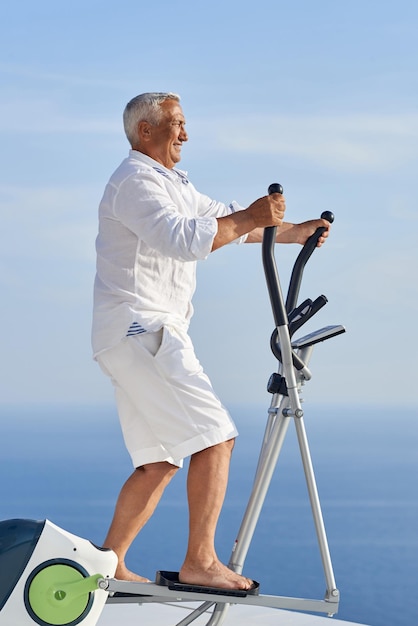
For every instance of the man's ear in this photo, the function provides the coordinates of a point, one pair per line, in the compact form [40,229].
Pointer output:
[144,130]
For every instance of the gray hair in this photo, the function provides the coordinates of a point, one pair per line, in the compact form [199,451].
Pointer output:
[144,108]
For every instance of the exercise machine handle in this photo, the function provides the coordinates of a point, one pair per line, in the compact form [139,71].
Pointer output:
[270,268]
[302,259]
[280,310]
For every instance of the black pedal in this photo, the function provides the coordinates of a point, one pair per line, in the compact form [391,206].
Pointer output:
[171,580]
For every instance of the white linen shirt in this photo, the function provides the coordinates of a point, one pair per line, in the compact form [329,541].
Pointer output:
[153,227]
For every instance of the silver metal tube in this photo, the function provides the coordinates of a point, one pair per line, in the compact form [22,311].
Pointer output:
[262,481]
[195,614]
[219,614]
[315,505]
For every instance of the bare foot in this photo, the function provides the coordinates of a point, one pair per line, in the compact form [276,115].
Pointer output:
[123,573]
[215,575]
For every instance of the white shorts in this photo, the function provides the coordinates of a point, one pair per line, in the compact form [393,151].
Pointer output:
[166,404]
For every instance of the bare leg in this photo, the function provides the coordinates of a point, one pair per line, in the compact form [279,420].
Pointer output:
[206,485]
[136,503]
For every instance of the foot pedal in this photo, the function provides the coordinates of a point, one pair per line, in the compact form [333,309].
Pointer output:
[171,580]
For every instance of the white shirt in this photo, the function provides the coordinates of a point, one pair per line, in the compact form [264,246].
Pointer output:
[153,227]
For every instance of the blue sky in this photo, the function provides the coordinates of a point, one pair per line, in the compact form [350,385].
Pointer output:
[320,96]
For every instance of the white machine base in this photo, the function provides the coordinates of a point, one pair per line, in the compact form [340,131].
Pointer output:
[49,576]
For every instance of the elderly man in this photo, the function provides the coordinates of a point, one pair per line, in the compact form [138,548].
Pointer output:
[153,227]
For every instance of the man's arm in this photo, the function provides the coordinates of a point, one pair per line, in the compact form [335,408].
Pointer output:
[266,211]
[293,233]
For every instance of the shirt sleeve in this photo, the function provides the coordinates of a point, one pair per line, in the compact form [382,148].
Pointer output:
[145,207]
[234,206]
[218,209]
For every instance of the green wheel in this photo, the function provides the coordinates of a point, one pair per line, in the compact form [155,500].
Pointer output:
[58,593]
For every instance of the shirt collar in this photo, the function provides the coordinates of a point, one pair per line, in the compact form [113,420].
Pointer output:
[173,174]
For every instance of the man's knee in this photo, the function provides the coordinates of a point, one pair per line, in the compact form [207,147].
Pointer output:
[223,448]
[162,471]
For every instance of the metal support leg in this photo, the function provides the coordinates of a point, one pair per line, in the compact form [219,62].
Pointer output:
[276,429]
[316,508]
[268,459]
[195,614]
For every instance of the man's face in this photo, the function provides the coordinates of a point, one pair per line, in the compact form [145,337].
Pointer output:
[165,140]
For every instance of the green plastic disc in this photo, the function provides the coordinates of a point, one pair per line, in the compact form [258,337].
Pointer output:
[51,598]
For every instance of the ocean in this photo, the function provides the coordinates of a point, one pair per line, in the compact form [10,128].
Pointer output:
[67,464]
